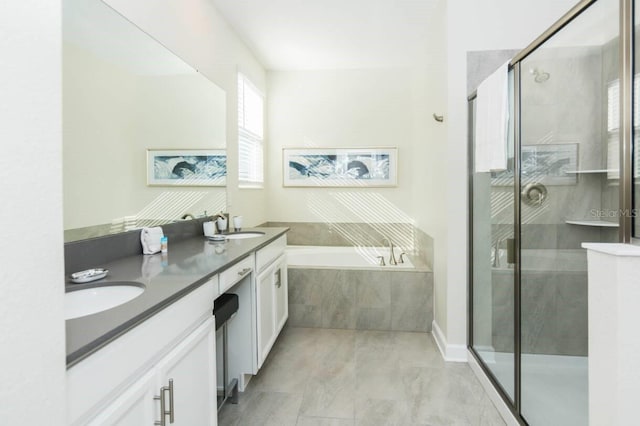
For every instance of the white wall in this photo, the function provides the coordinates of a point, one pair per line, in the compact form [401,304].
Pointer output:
[195,31]
[357,108]
[472,26]
[342,108]
[32,354]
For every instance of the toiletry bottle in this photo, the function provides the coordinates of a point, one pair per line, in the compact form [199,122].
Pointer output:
[164,244]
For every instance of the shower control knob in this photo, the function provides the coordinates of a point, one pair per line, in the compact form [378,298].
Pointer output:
[533,194]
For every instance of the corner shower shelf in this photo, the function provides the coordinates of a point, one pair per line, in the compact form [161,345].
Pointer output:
[579,172]
[600,223]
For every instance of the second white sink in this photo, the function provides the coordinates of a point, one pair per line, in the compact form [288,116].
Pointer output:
[87,301]
[242,235]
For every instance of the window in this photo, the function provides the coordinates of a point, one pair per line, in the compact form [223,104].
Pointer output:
[250,134]
[613,128]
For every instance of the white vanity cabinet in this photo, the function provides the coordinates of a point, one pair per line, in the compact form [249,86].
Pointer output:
[171,356]
[134,407]
[189,372]
[179,379]
[281,295]
[271,295]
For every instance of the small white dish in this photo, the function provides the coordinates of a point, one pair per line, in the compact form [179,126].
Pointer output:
[88,275]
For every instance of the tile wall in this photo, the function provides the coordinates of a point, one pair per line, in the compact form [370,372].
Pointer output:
[360,299]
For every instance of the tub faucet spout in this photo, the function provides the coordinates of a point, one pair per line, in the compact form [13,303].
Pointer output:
[392,257]
[496,254]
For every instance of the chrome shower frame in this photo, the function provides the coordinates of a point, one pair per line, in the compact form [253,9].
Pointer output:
[626,217]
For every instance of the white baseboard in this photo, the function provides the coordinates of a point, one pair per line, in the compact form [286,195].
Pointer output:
[492,393]
[453,353]
[244,381]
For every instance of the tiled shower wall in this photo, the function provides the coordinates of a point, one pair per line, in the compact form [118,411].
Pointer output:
[554,312]
[554,307]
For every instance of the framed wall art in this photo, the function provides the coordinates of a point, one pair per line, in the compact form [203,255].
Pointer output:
[549,164]
[190,167]
[347,167]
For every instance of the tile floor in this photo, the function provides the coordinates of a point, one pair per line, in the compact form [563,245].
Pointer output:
[328,377]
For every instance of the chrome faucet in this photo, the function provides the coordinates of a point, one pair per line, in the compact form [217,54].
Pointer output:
[496,254]
[392,257]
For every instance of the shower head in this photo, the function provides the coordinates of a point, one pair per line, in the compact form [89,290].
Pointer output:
[539,76]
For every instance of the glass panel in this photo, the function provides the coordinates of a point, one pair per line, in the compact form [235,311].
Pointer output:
[493,269]
[569,192]
[636,122]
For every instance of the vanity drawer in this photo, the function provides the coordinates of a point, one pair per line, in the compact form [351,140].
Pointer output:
[234,274]
[268,254]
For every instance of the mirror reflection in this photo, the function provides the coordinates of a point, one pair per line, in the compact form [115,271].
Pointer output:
[124,95]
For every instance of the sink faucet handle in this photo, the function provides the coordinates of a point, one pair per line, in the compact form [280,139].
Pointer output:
[402,255]
[381,261]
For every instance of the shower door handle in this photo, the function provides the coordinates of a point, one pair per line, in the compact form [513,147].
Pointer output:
[511,250]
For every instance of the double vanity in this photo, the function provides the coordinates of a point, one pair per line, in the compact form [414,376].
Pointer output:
[142,343]
[152,359]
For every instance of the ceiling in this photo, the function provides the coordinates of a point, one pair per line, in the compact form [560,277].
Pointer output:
[339,34]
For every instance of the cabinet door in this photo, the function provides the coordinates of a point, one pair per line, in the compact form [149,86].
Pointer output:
[265,313]
[281,297]
[191,367]
[135,407]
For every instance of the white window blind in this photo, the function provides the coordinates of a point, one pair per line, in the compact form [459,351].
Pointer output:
[250,134]
[613,127]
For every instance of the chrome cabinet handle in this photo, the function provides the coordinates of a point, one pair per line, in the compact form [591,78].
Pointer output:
[163,404]
[278,276]
[171,407]
[163,413]
[244,272]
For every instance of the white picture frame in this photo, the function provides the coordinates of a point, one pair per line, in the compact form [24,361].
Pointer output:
[186,167]
[340,167]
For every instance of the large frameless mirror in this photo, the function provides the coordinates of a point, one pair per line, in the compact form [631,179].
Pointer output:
[144,133]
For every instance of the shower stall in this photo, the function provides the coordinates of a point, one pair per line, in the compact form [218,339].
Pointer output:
[568,180]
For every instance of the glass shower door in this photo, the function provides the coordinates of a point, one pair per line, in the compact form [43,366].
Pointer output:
[569,193]
[493,273]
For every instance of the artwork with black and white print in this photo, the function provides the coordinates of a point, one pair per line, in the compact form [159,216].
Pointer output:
[199,168]
[339,167]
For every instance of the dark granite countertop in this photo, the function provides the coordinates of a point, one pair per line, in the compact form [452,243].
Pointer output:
[187,265]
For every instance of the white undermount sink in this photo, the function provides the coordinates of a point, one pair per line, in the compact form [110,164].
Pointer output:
[87,301]
[242,235]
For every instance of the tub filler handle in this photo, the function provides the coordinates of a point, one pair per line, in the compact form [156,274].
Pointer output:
[392,257]
[381,263]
